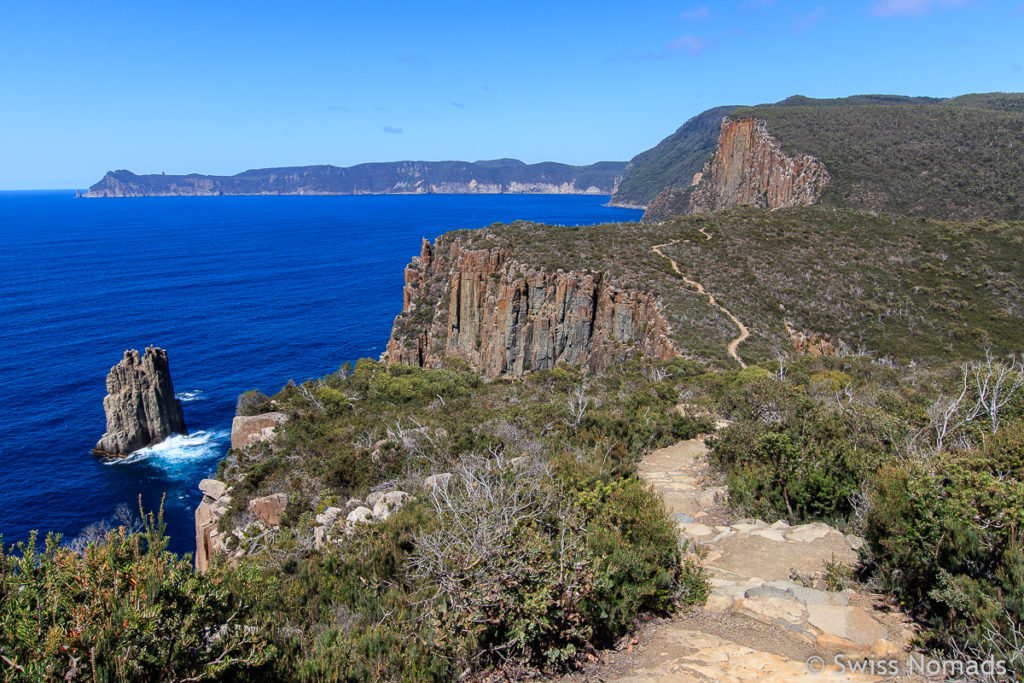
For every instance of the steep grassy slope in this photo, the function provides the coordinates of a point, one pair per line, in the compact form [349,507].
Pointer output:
[671,162]
[898,287]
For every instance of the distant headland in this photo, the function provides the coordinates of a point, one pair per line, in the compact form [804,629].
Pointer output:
[499,176]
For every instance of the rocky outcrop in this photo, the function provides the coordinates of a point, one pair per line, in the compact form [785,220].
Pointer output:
[504,317]
[749,167]
[209,540]
[813,343]
[140,405]
[269,509]
[247,430]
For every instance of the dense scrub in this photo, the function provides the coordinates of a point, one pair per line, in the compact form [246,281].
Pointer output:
[122,608]
[542,547]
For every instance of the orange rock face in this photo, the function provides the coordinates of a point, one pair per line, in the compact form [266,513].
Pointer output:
[506,318]
[813,343]
[749,167]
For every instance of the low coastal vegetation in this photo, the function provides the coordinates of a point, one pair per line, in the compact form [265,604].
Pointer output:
[926,464]
[542,547]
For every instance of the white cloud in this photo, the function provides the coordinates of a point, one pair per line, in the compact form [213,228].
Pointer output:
[909,8]
[696,13]
[689,44]
[816,15]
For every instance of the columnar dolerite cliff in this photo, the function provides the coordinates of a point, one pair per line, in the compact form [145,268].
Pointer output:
[748,167]
[140,405]
[505,318]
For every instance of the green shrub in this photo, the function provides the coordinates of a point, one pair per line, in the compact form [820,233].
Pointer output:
[945,536]
[253,402]
[125,609]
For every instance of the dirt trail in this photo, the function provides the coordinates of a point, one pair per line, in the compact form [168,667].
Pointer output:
[770,615]
[744,332]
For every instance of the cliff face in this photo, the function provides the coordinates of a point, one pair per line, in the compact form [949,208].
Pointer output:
[749,167]
[140,406]
[505,318]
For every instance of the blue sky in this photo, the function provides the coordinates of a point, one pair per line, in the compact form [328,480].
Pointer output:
[220,87]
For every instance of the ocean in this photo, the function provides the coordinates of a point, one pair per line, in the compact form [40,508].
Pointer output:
[243,292]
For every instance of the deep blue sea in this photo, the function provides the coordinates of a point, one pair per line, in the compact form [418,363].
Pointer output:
[243,292]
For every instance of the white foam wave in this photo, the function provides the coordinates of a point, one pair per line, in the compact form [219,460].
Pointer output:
[190,396]
[180,448]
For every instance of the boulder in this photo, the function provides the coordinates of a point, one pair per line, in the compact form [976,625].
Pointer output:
[140,406]
[360,515]
[324,523]
[269,509]
[388,504]
[329,516]
[249,429]
[213,488]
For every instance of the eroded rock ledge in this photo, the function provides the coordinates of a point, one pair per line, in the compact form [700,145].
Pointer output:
[504,317]
[140,406]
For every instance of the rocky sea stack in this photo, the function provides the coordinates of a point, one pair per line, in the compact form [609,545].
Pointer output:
[140,405]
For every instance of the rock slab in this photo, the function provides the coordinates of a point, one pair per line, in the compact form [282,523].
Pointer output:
[249,429]
[140,406]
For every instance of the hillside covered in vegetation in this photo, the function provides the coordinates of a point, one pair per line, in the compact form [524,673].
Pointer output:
[959,158]
[675,158]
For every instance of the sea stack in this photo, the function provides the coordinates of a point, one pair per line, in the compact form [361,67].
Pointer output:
[140,405]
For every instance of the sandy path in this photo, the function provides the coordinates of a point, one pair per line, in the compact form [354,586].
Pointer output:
[733,346]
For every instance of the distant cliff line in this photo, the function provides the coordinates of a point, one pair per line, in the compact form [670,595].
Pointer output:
[500,176]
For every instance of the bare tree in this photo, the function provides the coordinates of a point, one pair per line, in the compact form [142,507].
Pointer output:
[780,373]
[311,397]
[577,402]
[995,384]
[986,387]
[1004,645]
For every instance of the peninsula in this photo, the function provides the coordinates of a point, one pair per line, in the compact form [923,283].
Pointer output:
[498,176]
